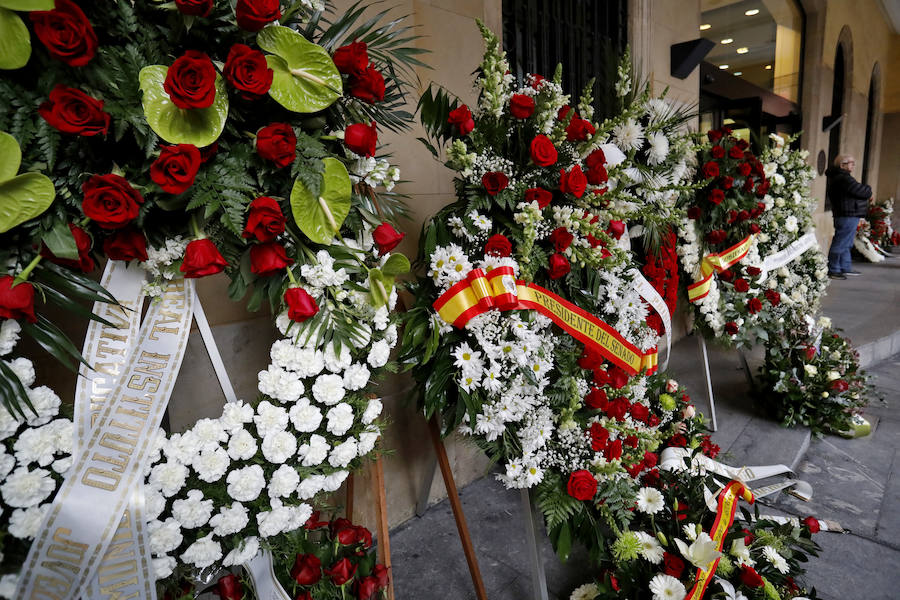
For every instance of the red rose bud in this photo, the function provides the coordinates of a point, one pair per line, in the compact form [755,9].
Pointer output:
[539,195]
[678,441]
[66,33]
[368,85]
[202,258]
[714,135]
[16,302]
[253,15]
[563,112]
[681,510]
[639,412]
[599,437]
[596,399]
[363,536]
[716,236]
[839,385]
[573,182]
[672,565]
[247,71]
[616,229]
[494,182]
[498,245]
[773,297]
[710,170]
[543,152]
[732,216]
[650,460]
[717,151]
[716,196]
[618,408]
[727,182]
[83,243]
[579,129]
[753,271]
[265,221]
[382,575]
[307,569]
[313,522]
[750,577]
[304,595]
[366,588]
[521,106]
[301,305]
[175,169]
[126,244]
[361,139]
[728,275]
[613,450]
[72,111]
[191,81]
[386,238]
[339,525]
[229,587]
[812,524]
[347,536]
[462,118]
[558,266]
[694,213]
[194,8]
[744,169]
[110,201]
[741,285]
[595,159]
[277,142]
[731,328]
[352,58]
[617,377]
[561,238]
[735,152]
[582,485]
[754,228]
[341,572]
[268,259]
[754,305]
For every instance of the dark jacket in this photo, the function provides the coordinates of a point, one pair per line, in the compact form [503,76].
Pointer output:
[849,198]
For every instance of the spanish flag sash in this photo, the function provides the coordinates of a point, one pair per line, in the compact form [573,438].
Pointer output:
[716,263]
[480,292]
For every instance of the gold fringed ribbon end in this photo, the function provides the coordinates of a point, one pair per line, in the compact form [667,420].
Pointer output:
[716,263]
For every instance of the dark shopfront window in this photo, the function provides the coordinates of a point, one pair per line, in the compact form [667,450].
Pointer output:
[586,36]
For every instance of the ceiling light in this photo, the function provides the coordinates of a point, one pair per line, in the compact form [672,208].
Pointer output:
[751,12]
[738,73]
[705,26]
[727,41]
[743,50]
[768,67]
[723,67]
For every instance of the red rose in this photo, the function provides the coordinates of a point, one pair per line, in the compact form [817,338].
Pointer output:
[773,297]
[694,212]
[72,111]
[386,238]
[726,182]
[750,577]
[521,106]
[247,71]
[301,305]
[708,448]
[268,259]
[537,81]
[229,587]
[716,236]
[368,85]
[595,159]
[543,152]
[563,112]
[462,118]
[110,201]
[195,8]
[616,229]
[304,595]
[573,182]
[710,170]
[717,151]
[494,182]
[126,244]
[617,377]
[579,129]
[742,144]
[810,352]
[748,185]
[561,238]
[839,385]
[361,138]
[731,328]
[558,266]
[754,271]
[265,221]
[202,258]
[754,305]
[762,189]
[613,450]
[599,437]
[339,525]
[382,574]
[744,169]
[650,459]
[539,195]
[716,196]
[678,441]
[498,245]
[83,243]
[812,524]
[341,572]
[191,81]
[313,521]
[307,569]
[352,58]
[714,135]
[618,408]
[741,285]
[66,33]
[732,216]
[253,15]
[754,228]
[735,152]
[176,167]
[582,485]
[277,142]
[596,399]
[639,412]
[16,302]
[366,588]
[672,565]
[596,164]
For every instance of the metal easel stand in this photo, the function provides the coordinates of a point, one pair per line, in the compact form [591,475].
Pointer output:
[532,525]
[701,341]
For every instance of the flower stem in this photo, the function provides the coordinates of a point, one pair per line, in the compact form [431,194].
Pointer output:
[23,276]
[290,275]
[195,227]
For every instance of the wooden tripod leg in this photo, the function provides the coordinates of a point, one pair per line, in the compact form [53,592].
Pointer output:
[348,508]
[384,535]
[456,505]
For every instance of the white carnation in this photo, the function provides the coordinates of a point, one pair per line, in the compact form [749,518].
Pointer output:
[275,521]
[284,481]
[230,520]
[248,548]
[211,464]
[328,389]
[380,320]
[334,481]
[192,511]
[379,354]
[367,442]
[242,445]
[342,454]
[356,376]
[314,452]
[154,503]
[235,415]
[165,536]
[270,418]
[163,566]
[337,362]
[279,384]
[373,410]
[26,488]
[9,423]
[25,522]
[209,432]
[278,446]
[36,445]
[7,462]
[182,447]
[46,404]
[340,419]
[390,336]
[310,486]
[310,362]
[244,485]
[203,553]
[168,477]
[305,417]
[24,370]
[9,335]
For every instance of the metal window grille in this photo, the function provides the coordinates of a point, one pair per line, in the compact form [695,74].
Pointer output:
[580,34]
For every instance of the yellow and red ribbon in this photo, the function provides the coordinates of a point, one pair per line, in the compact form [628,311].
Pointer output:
[716,263]
[480,292]
[728,502]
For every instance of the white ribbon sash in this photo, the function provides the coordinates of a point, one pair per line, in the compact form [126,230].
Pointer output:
[94,506]
[788,254]
[262,575]
[649,293]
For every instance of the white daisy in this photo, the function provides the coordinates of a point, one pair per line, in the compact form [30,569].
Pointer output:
[776,559]
[587,591]
[666,587]
[629,135]
[650,500]
[659,148]
[650,547]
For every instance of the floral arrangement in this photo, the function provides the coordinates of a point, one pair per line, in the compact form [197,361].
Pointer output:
[668,541]
[812,378]
[543,195]
[754,301]
[875,234]
[199,137]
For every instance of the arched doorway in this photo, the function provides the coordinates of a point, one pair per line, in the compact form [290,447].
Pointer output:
[871,124]
[837,104]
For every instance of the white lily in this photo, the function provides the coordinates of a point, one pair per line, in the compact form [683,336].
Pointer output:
[730,592]
[701,552]
[741,552]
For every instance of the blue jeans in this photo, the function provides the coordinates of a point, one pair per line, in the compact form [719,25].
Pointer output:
[839,253]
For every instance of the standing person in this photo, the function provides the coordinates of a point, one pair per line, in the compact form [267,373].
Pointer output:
[849,202]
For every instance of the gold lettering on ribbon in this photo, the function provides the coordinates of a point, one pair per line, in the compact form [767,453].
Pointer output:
[119,568]
[67,555]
